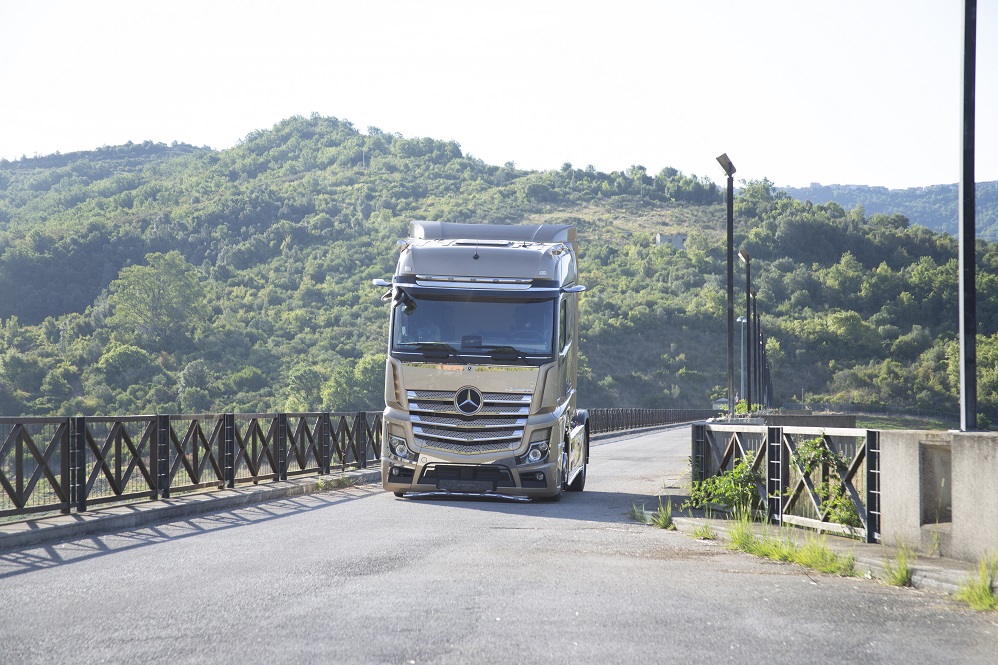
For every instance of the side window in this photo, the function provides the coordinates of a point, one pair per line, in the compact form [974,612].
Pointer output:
[563,326]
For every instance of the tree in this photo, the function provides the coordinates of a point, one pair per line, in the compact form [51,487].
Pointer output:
[160,306]
[357,387]
[124,365]
[304,389]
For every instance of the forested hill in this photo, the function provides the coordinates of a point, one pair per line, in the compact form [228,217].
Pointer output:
[934,207]
[153,278]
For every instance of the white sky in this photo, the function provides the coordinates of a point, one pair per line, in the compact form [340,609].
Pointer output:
[799,91]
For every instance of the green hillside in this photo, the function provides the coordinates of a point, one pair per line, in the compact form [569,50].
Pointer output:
[153,278]
[935,207]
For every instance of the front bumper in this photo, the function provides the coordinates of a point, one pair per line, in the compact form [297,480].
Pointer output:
[500,478]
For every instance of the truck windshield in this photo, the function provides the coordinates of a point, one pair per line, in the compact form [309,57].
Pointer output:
[502,329]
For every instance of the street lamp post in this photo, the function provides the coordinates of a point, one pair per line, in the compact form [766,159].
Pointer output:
[764,388]
[747,260]
[746,339]
[756,337]
[729,170]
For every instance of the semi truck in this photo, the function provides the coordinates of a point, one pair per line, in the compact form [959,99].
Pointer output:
[482,363]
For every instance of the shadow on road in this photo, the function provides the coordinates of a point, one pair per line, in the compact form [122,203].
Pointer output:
[40,557]
[588,506]
[593,507]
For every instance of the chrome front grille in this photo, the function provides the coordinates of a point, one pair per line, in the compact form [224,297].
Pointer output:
[498,426]
[468,450]
[466,435]
[461,422]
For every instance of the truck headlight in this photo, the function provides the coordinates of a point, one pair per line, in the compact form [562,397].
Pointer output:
[398,447]
[539,447]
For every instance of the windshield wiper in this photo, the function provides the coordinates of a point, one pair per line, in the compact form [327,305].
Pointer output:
[431,349]
[504,350]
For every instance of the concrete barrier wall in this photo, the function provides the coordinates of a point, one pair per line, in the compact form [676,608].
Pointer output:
[810,420]
[939,491]
[975,495]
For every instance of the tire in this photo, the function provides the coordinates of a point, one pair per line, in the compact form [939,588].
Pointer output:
[579,483]
[564,467]
[400,494]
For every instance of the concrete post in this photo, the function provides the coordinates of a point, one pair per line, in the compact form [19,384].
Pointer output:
[975,495]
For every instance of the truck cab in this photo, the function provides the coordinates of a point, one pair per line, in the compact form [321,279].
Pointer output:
[481,374]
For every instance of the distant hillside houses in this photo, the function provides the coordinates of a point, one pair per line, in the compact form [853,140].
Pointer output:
[678,241]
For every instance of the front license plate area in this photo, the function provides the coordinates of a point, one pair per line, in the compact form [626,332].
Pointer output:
[455,485]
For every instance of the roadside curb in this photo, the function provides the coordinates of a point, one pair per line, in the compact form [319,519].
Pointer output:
[937,574]
[31,533]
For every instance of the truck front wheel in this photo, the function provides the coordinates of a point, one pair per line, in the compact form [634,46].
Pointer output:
[579,483]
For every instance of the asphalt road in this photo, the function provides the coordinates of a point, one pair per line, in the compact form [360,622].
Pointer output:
[358,576]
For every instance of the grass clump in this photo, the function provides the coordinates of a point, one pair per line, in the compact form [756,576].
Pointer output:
[979,591]
[638,514]
[814,553]
[703,532]
[740,535]
[899,570]
[777,549]
[662,518]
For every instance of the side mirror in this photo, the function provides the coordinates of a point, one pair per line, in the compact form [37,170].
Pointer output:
[400,297]
[578,288]
[380,282]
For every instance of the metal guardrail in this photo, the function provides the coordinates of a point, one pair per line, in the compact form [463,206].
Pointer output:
[614,420]
[70,464]
[66,464]
[789,491]
[871,410]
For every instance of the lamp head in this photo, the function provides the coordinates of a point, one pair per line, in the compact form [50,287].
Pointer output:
[729,168]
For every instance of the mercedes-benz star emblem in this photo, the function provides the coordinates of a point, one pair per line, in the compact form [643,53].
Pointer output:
[468,400]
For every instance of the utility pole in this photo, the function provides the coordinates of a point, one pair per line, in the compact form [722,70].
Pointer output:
[747,259]
[968,231]
[729,169]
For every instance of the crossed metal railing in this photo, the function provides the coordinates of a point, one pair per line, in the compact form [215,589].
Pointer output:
[849,473]
[67,464]
[613,420]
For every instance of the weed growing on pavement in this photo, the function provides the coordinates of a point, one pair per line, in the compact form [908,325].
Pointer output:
[899,570]
[935,547]
[741,535]
[777,549]
[703,532]
[662,518]
[814,553]
[638,514]
[979,591]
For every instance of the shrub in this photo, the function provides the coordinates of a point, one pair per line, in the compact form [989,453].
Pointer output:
[736,489]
